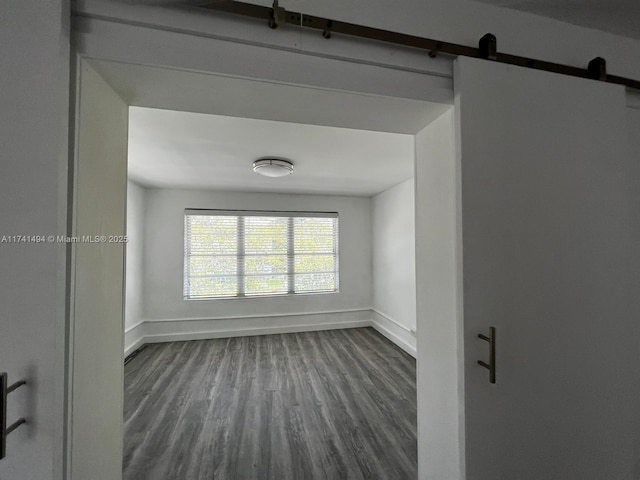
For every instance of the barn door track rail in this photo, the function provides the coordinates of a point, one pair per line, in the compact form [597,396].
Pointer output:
[277,16]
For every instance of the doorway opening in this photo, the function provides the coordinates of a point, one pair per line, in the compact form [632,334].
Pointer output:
[365,147]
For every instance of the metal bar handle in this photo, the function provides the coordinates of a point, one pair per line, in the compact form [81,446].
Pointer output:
[5,390]
[491,366]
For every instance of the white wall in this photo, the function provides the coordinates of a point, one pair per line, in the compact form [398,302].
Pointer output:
[633,131]
[439,290]
[34,95]
[377,252]
[166,312]
[394,275]
[134,268]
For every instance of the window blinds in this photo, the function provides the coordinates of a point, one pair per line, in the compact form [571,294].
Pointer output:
[252,253]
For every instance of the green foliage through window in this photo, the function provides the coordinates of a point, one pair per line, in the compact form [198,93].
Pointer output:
[243,254]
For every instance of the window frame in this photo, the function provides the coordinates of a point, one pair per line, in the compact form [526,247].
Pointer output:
[290,255]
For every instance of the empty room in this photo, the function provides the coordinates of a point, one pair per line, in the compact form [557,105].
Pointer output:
[270,311]
[277,326]
[277,315]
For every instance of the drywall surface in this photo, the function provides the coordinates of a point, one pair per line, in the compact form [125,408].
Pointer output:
[633,131]
[135,240]
[134,267]
[34,94]
[164,255]
[394,274]
[550,255]
[438,285]
[97,321]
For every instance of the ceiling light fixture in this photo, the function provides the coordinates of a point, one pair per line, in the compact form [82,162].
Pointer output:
[273,167]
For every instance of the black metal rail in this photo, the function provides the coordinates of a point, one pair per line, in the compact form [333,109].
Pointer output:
[487,48]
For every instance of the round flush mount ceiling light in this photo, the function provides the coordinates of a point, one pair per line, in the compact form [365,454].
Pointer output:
[273,167]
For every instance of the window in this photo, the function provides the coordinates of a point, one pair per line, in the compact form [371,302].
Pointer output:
[231,253]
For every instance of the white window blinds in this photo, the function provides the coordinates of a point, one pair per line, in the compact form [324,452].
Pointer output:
[242,254]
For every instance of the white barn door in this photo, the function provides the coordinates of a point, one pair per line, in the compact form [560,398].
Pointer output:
[550,259]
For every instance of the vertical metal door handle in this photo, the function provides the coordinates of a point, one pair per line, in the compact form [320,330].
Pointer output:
[5,390]
[491,366]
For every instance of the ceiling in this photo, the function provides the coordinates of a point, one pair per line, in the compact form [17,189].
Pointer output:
[621,17]
[189,91]
[174,149]
[200,130]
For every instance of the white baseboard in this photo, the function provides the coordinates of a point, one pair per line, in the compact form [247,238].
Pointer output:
[134,338]
[158,331]
[245,332]
[134,346]
[398,334]
[171,330]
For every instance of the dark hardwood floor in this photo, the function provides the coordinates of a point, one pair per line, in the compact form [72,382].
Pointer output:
[338,404]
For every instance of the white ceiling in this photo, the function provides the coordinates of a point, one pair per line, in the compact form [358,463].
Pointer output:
[199,130]
[175,149]
[621,17]
[189,91]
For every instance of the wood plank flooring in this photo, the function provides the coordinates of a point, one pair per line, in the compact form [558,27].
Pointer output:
[337,404]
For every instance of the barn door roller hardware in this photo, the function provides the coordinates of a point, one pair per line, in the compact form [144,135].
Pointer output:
[326,33]
[488,47]
[5,390]
[277,16]
[491,366]
[598,68]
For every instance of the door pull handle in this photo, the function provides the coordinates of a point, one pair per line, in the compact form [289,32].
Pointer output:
[5,390]
[491,366]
